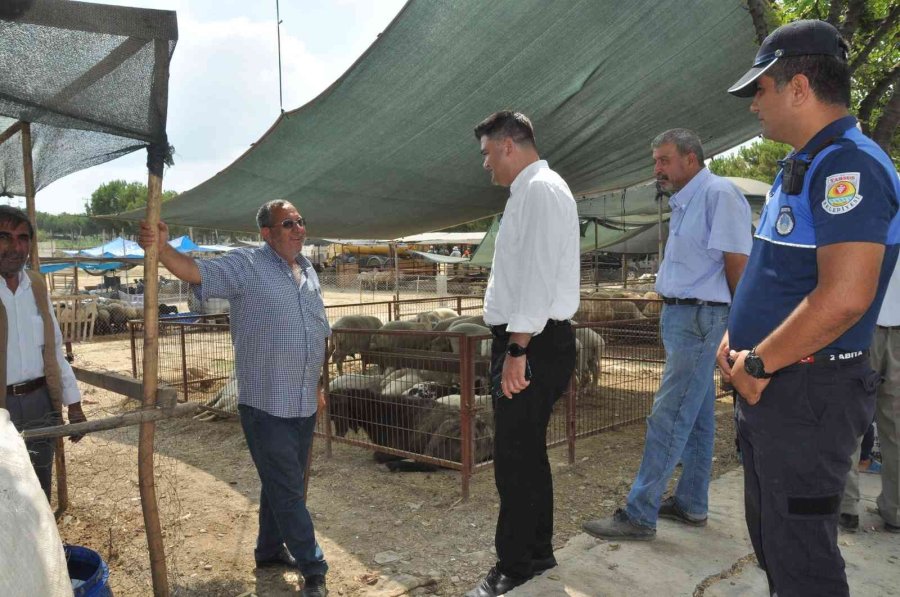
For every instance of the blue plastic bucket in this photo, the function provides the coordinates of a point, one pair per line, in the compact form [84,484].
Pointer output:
[87,570]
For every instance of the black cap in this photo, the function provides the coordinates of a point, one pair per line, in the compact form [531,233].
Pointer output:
[800,38]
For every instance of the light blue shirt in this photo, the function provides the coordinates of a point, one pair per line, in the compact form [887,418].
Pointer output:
[710,217]
[278,327]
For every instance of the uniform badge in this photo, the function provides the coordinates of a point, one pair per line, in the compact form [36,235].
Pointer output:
[841,193]
[784,224]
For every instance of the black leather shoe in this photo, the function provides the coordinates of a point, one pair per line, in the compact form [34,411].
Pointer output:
[495,583]
[849,522]
[541,565]
[670,509]
[314,586]
[282,558]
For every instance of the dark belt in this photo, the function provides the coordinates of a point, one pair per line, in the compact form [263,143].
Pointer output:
[26,387]
[500,330]
[831,359]
[888,327]
[692,301]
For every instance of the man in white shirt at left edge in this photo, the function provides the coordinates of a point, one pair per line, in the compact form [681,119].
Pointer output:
[38,381]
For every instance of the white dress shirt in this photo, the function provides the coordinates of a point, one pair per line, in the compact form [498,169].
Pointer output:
[535,274]
[889,315]
[25,340]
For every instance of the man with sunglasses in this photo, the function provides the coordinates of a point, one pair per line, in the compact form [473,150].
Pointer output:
[280,333]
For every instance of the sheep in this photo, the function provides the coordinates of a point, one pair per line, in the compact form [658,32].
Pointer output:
[471,329]
[595,310]
[401,342]
[588,360]
[626,310]
[348,397]
[442,325]
[346,345]
[399,382]
[436,316]
[652,308]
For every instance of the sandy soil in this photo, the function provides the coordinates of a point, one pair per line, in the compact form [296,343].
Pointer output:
[383,533]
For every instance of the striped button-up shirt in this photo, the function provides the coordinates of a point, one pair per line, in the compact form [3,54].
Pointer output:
[278,327]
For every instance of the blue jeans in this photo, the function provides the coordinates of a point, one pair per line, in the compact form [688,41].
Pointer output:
[682,424]
[280,447]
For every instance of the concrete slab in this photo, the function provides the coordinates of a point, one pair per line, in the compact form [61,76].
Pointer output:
[712,561]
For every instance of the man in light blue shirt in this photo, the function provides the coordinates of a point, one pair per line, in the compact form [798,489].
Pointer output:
[280,332]
[709,241]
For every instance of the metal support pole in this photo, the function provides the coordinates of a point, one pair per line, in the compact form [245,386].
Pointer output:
[466,423]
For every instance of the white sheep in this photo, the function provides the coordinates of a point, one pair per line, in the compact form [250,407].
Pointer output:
[588,359]
[436,316]
[346,345]
[405,341]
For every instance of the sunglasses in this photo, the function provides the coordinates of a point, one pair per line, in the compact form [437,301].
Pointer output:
[289,223]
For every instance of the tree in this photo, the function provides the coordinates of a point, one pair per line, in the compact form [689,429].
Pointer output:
[758,161]
[118,196]
[872,27]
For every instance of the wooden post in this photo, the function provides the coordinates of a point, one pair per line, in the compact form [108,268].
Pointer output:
[28,174]
[146,482]
[62,486]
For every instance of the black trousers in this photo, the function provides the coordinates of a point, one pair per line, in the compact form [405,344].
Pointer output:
[31,411]
[797,443]
[521,468]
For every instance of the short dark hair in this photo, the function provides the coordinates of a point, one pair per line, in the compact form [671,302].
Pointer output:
[507,124]
[15,216]
[264,215]
[829,76]
[685,141]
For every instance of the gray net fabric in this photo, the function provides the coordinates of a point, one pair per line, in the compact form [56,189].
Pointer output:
[388,149]
[91,79]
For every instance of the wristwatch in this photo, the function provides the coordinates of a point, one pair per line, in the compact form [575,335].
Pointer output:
[516,350]
[754,366]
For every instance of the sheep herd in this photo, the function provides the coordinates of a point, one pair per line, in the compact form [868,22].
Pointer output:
[411,406]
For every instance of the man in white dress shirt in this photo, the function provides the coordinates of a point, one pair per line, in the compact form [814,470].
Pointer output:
[38,379]
[532,292]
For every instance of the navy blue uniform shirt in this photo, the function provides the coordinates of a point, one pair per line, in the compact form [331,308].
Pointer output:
[850,194]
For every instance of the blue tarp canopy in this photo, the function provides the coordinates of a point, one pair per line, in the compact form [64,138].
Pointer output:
[91,268]
[120,247]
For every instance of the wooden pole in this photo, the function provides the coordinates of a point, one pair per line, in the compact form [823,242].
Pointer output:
[115,422]
[28,173]
[62,485]
[146,481]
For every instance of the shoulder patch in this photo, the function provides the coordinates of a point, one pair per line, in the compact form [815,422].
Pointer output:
[841,193]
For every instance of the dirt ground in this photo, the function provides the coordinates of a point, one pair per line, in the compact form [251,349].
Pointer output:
[383,533]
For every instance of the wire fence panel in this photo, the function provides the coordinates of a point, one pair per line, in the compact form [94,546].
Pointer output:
[410,380]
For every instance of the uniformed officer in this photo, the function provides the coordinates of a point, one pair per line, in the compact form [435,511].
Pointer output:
[804,312]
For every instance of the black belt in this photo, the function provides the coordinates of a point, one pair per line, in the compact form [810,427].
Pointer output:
[26,387]
[835,359]
[500,330]
[692,301]
[888,327]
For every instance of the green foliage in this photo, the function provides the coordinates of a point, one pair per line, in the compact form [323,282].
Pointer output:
[758,161]
[873,29]
[118,196]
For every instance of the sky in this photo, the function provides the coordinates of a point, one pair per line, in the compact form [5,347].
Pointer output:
[223,84]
